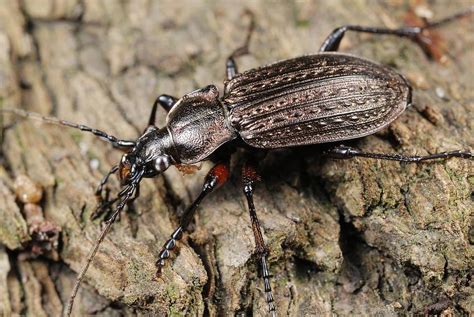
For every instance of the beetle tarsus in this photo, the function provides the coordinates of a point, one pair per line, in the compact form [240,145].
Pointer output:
[169,246]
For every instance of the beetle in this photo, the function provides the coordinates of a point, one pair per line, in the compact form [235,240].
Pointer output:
[321,98]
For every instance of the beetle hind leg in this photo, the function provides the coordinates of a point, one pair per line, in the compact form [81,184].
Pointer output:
[347,152]
[414,33]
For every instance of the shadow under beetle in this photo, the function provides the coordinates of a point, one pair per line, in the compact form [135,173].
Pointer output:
[312,99]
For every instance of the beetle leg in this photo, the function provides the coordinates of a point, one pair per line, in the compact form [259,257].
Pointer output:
[103,202]
[249,177]
[230,65]
[103,182]
[108,206]
[166,102]
[135,196]
[415,33]
[216,177]
[347,152]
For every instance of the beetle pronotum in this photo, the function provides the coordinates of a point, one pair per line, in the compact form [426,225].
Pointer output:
[319,98]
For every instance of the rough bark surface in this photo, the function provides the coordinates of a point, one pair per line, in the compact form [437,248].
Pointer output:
[356,237]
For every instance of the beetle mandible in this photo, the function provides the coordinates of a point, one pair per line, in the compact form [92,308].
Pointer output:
[312,99]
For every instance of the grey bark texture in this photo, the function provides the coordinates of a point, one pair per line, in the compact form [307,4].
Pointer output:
[355,237]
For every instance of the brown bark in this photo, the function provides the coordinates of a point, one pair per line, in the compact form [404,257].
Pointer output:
[356,237]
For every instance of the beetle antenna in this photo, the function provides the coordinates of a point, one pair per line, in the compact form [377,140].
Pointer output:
[103,135]
[125,195]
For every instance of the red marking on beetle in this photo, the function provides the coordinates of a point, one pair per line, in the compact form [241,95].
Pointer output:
[221,173]
[249,174]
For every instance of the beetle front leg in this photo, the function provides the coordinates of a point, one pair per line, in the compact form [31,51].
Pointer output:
[347,152]
[102,202]
[230,65]
[216,177]
[415,33]
[166,102]
[249,177]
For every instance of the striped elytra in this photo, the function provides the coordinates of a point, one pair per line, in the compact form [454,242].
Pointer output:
[314,99]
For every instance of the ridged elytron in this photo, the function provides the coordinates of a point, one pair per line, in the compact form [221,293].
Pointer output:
[319,98]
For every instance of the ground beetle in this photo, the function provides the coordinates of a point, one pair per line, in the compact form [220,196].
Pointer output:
[311,99]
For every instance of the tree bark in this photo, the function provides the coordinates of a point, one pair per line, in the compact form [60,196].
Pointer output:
[353,237]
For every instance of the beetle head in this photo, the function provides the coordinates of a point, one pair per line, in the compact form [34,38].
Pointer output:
[148,158]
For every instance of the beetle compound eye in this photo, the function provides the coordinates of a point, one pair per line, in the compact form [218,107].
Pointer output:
[162,163]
